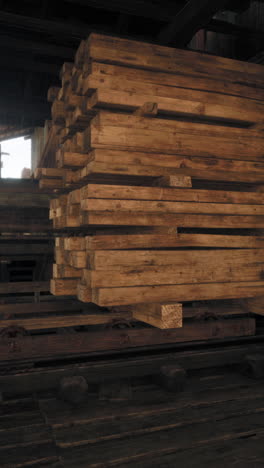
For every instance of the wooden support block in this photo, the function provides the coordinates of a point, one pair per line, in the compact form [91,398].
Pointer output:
[174,181]
[73,389]
[172,377]
[84,294]
[149,109]
[64,287]
[126,192]
[159,315]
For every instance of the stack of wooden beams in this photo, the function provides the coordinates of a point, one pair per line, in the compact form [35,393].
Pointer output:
[159,175]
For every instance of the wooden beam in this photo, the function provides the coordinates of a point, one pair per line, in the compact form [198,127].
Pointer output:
[39,380]
[232,29]
[47,347]
[73,320]
[162,316]
[192,17]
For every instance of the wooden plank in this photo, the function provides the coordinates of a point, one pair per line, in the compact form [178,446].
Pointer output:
[106,218]
[76,320]
[118,99]
[138,86]
[170,207]
[105,118]
[155,164]
[169,194]
[194,273]
[24,287]
[43,347]
[181,293]
[159,315]
[150,140]
[153,57]
[101,170]
[184,81]
[115,259]
[134,241]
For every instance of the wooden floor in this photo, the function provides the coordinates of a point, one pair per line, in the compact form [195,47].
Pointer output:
[217,421]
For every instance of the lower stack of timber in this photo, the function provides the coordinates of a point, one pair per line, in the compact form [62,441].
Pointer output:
[158,177]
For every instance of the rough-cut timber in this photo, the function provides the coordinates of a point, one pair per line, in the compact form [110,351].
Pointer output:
[157,180]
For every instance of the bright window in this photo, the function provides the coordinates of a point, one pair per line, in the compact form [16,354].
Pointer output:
[19,157]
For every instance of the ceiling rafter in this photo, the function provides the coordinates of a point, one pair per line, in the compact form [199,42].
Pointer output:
[192,17]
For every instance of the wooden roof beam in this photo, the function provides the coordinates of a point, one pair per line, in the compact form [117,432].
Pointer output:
[225,27]
[192,17]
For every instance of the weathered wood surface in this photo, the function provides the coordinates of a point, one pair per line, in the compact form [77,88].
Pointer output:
[158,121]
[129,132]
[106,218]
[147,241]
[188,292]
[46,347]
[183,82]
[131,366]
[152,427]
[143,164]
[159,58]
